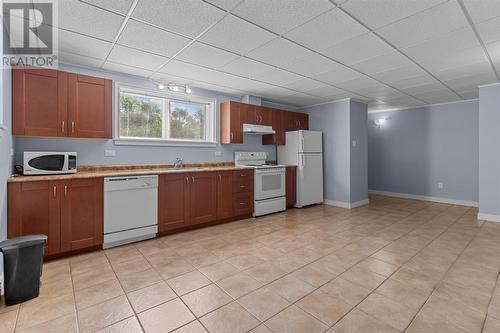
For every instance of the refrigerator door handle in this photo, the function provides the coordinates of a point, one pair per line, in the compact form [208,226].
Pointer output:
[302,144]
[302,159]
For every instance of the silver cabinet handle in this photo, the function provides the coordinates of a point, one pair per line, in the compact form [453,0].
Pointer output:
[242,203]
[62,126]
[242,186]
[55,191]
[232,135]
[187,180]
[220,178]
[65,190]
[72,127]
[192,180]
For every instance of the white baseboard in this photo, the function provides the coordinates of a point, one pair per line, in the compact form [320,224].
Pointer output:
[426,198]
[346,205]
[488,217]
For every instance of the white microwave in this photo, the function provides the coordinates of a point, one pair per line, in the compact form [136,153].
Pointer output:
[48,163]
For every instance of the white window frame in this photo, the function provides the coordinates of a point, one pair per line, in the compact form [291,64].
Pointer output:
[167,97]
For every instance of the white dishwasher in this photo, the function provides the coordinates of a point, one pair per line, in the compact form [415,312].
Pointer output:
[130,209]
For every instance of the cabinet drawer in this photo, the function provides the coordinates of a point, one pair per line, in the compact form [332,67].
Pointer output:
[242,181]
[242,203]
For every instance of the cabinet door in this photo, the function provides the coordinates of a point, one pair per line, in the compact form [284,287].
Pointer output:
[290,122]
[39,102]
[302,120]
[231,130]
[203,198]
[82,213]
[173,201]
[34,208]
[224,194]
[89,105]
[243,203]
[278,126]
[291,185]
[247,114]
[264,115]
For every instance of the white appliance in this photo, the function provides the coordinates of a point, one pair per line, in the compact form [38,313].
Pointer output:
[257,129]
[48,163]
[269,182]
[305,150]
[130,209]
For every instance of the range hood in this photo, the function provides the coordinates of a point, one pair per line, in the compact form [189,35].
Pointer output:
[257,129]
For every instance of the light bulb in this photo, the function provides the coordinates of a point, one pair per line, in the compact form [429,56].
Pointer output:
[161,86]
[175,88]
[188,89]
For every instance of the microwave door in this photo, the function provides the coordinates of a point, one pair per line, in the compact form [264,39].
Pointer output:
[47,164]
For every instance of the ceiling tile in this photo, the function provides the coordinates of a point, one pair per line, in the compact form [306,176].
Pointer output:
[88,20]
[357,83]
[441,96]
[481,10]
[348,52]
[279,52]
[83,45]
[132,57]
[185,70]
[494,52]
[205,55]
[379,91]
[245,67]
[300,99]
[452,59]
[425,25]
[403,101]
[326,30]
[393,75]
[189,17]
[120,6]
[382,63]
[281,15]
[425,88]
[472,81]
[413,81]
[277,76]
[78,60]
[470,94]
[150,39]
[312,65]
[338,75]
[277,92]
[325,91]
[120,68]
[224,4]
[236,35]
[489,30]
[303,84]
[463,71]
[378,13]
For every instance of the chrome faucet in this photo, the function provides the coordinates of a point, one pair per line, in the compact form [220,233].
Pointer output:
[178,163]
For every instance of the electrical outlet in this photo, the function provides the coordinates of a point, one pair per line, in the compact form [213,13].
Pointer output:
[354,143]
[218,153]
[110,153]
[11,151]
[440,185]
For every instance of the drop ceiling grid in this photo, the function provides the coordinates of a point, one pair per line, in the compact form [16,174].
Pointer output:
[288,67]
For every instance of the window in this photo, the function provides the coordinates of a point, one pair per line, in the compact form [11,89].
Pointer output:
[156,118]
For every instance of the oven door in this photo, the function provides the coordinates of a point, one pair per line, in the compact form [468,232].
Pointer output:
[269,183]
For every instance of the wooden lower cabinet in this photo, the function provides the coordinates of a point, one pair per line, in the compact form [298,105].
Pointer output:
[291,185]
[70,213]
[203,200]
[82,214]
[224,195]
[173,201]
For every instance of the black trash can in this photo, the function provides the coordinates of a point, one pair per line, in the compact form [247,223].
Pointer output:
[22,263]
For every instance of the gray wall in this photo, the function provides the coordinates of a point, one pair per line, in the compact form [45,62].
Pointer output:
[92,151]
[333,120]
[359,153]
[489,152]
[417,148]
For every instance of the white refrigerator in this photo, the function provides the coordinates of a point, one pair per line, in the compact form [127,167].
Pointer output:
[305,150]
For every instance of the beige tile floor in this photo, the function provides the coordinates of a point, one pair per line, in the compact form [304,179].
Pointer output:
[395,265]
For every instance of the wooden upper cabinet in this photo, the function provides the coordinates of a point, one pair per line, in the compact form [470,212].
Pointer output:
[224,194]
[231,130]
[82,213]
[53,103]
[263,115]
[173,201]
[39,102]
[296,121]
[34,208]
[203,200]
[277,119]
[89,107]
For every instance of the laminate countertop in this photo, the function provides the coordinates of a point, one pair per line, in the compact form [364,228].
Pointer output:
[128,170]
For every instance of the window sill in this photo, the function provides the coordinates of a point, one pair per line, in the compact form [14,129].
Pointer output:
[168,143]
